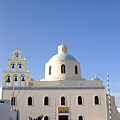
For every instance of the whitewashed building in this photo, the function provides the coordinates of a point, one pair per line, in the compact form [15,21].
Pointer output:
[62,95]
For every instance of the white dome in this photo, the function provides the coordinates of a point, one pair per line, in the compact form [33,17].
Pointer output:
[95,79]
[62,66]
[62,56]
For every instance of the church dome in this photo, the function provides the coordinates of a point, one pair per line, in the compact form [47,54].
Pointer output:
[95,79]
[62,56]
[62,66]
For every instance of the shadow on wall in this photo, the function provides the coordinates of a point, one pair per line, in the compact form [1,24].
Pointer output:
[14,115]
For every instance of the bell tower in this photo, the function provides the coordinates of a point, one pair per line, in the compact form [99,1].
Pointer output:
[16,73]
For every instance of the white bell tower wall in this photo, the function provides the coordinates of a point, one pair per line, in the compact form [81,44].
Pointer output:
[16,73]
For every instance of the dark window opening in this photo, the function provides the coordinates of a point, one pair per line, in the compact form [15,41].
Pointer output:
[62,68]
[80,118]
[46,101]
[79,100]
[62,100]
[29,100]
[76,70]
[13,101]
[46,118]
[50,68]
[96,100]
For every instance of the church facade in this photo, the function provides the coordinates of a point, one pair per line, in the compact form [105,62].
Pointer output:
[62,95]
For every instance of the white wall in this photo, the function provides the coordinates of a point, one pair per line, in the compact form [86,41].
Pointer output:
[89,110]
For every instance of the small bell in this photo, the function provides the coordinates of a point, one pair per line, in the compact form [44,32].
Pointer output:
[23,79]
[20,66]
[15,78]
[8,79]
[16,54]
[13,66]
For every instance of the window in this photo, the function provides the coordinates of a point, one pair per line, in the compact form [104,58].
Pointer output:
[76,70]
[46,118]
[79,100]
[80,118]
[13,101]
[50,68]
[62,100]
[29,100]
[62,68]
[46,101]
[96,99]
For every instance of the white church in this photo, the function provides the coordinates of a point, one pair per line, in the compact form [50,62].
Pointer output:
[62,95]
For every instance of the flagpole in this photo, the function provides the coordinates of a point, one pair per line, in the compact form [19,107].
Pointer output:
[109,102]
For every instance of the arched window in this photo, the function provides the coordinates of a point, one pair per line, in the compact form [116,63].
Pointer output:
[30,101]
[50,70]
[46,118]
[13,101]
[80,118]
[62,100]
[76,70]
[96,99]
[79,100]
[46,101]
[62,68]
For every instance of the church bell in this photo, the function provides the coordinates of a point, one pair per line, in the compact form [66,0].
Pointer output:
[16,54]
[15,78]
[13,66]
[8,79]
[23,79]
[20,66]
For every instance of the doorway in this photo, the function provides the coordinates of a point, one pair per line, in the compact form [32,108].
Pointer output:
[63,117]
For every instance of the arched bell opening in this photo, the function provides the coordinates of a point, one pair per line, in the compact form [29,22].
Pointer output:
[8,80]
[19,67]
[15,80]
[13,67]
[17,56]
[23,79]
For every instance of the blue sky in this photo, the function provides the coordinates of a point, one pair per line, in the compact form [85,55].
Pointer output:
[90,29]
